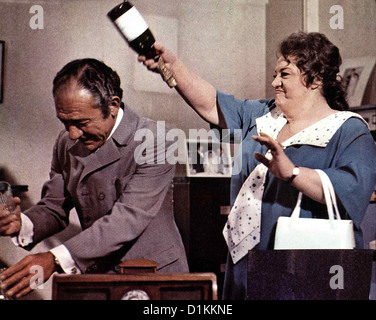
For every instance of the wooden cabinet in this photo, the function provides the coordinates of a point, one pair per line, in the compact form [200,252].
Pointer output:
[201,206]
[179,286]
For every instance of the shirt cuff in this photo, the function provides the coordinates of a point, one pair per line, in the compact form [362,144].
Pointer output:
[26,234]
[65,259]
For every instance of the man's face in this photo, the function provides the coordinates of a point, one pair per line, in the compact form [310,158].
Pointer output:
[75,109]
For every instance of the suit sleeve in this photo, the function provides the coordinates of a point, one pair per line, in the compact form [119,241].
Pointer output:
[51,214]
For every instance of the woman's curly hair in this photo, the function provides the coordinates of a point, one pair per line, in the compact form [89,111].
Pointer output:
[319,60]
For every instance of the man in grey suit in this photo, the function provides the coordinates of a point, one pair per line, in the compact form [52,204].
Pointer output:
[120,189]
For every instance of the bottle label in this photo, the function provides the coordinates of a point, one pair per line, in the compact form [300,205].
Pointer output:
[131,24]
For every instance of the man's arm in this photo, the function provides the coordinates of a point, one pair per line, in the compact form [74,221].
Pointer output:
[64,259]
[51,214]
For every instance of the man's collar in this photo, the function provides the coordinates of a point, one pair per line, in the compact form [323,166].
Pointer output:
[126,127]
[117,122]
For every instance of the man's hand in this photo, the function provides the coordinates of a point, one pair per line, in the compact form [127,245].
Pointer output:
[17,280]
[10,223]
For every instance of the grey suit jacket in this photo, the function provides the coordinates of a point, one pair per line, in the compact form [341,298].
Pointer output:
[124,206]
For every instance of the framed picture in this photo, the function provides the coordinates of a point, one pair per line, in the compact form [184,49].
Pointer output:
[355,74]
[206,158]
[2,54]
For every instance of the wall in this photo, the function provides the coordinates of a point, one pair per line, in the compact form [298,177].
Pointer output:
[283,17]
[357,38]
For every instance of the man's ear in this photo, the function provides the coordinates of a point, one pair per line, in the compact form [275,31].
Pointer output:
[114,106]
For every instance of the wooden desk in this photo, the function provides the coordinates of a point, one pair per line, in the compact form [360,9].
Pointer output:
[179,286]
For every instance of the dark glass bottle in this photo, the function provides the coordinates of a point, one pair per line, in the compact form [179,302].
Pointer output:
[134,29]
[136,32]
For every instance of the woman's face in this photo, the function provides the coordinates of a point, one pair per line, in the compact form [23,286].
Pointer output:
[289,85]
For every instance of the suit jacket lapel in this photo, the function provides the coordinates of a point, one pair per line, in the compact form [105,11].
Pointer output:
[125,132]
[105,155]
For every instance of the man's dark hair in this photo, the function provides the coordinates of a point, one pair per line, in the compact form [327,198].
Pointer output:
[96,77]
[318,59]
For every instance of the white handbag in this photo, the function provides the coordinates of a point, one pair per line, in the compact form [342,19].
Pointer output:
[305,233]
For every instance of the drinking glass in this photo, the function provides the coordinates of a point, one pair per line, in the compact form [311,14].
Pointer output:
[6,196]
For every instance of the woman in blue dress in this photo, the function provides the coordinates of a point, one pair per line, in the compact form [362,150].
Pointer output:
[305,127]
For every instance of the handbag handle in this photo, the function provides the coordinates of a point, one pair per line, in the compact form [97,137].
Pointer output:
[332,196]
[329,194]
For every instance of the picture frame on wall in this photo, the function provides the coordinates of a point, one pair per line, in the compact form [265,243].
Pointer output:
[208,159]
[355,73]
[2,59]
